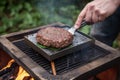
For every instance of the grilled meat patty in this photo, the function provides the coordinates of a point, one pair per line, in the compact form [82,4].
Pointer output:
[54,37]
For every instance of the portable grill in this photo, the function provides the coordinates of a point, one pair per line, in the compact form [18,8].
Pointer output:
[80,64]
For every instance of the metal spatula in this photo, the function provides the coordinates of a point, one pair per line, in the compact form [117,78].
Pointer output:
[73,29]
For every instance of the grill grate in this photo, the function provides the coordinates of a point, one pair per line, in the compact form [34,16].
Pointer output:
[66,63]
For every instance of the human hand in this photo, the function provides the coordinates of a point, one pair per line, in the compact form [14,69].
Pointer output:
[97,10]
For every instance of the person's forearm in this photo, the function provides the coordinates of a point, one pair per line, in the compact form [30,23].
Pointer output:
[117,2]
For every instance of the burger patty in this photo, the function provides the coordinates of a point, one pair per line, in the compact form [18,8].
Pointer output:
[54,37]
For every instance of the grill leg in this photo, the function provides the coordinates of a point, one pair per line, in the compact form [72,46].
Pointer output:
[53,67]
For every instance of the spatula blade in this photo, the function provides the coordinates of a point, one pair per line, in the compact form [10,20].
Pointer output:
[72,30]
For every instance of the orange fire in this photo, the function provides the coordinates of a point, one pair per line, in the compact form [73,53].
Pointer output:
[21,73]
[6,61]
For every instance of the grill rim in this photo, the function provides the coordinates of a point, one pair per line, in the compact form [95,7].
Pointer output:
[12,50]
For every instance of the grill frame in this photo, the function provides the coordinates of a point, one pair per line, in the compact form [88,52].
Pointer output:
[38,72]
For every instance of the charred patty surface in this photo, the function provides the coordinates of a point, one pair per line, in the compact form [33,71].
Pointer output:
[54,37]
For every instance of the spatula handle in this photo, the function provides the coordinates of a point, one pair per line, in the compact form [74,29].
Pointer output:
[84,23]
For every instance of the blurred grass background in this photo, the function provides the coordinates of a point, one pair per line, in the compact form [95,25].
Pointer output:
[17,15]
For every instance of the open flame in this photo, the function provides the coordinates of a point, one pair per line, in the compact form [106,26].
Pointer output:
[18,73]
[21,74]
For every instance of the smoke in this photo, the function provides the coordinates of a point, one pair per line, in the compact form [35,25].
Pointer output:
[64,11]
